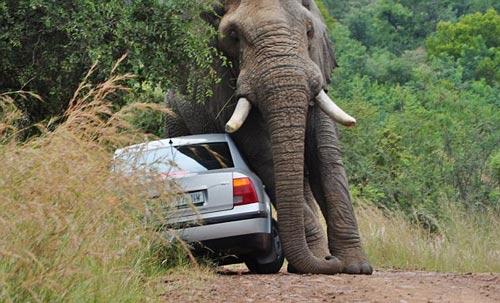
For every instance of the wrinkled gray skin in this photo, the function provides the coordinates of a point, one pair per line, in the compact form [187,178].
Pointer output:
[282,59]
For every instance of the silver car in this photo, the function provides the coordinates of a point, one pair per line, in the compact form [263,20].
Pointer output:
[224,211]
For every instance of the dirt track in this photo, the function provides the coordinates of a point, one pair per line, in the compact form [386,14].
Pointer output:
[237,285]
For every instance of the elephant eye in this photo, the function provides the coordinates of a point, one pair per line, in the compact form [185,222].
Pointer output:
[233,34]
[306,4]
[310,30]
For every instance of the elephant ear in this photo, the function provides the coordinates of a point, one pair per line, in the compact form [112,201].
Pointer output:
[213,16]
[227,72]
[321,50]
[223,99]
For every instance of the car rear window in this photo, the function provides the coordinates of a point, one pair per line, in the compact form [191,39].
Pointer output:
[192,158]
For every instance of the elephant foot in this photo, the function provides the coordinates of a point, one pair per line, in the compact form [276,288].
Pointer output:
[331,259]
[358,267]
[354,261]
[292,270]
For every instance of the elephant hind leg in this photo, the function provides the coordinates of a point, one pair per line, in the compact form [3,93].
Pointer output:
[330,189]
[174,124]
[175,127]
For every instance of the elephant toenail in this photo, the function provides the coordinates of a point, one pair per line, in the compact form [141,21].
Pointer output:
[366,268]
[352,269]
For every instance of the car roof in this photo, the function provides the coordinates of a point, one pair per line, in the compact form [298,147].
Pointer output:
[176,141]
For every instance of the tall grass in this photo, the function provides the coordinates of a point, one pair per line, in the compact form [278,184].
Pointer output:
[464,242]
[70,230]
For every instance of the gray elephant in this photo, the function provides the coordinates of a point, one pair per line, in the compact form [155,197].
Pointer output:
[273,101]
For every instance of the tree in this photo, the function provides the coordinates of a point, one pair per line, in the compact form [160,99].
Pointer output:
[474,41]
[48,46]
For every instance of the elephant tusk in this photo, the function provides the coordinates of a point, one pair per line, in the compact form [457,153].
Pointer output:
[333,111]
[239,116]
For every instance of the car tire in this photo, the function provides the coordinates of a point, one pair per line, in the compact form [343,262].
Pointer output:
[255,265]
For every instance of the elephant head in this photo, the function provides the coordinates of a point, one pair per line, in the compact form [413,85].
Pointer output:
[282,60]
[288,39]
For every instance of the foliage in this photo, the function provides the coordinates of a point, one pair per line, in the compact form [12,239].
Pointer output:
[47,47]
[474,41]
[426,130]
[400,25]
[421,77]
[381,24]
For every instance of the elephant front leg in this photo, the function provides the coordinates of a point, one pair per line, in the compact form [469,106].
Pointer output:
[315,234]
[330,188]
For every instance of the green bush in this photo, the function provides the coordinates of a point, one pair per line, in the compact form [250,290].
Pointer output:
[48,46]
[474,41]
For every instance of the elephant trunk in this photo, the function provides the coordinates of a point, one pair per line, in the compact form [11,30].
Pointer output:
[286,111]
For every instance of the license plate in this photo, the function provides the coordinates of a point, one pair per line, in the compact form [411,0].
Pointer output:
[195,198]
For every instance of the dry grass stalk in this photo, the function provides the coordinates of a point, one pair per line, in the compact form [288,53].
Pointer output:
[468,242]
[71,229]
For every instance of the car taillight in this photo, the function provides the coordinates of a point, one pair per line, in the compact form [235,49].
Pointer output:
[244,191]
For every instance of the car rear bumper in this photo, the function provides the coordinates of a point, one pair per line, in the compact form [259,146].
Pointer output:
[245,229]
[225,229]
[240,220]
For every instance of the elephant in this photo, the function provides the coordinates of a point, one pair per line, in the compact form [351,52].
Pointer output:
[273,100]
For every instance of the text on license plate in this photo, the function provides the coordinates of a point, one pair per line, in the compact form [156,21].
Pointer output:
[196,198]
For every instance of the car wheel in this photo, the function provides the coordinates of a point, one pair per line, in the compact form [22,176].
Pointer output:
[263,265]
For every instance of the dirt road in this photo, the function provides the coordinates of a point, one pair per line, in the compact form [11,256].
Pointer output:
[237,285]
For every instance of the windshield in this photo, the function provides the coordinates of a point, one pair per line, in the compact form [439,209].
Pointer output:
[174,160]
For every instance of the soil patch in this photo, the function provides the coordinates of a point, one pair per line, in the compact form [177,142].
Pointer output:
[235,284]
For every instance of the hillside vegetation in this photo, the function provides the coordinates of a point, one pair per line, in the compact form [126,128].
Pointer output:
[421,77]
